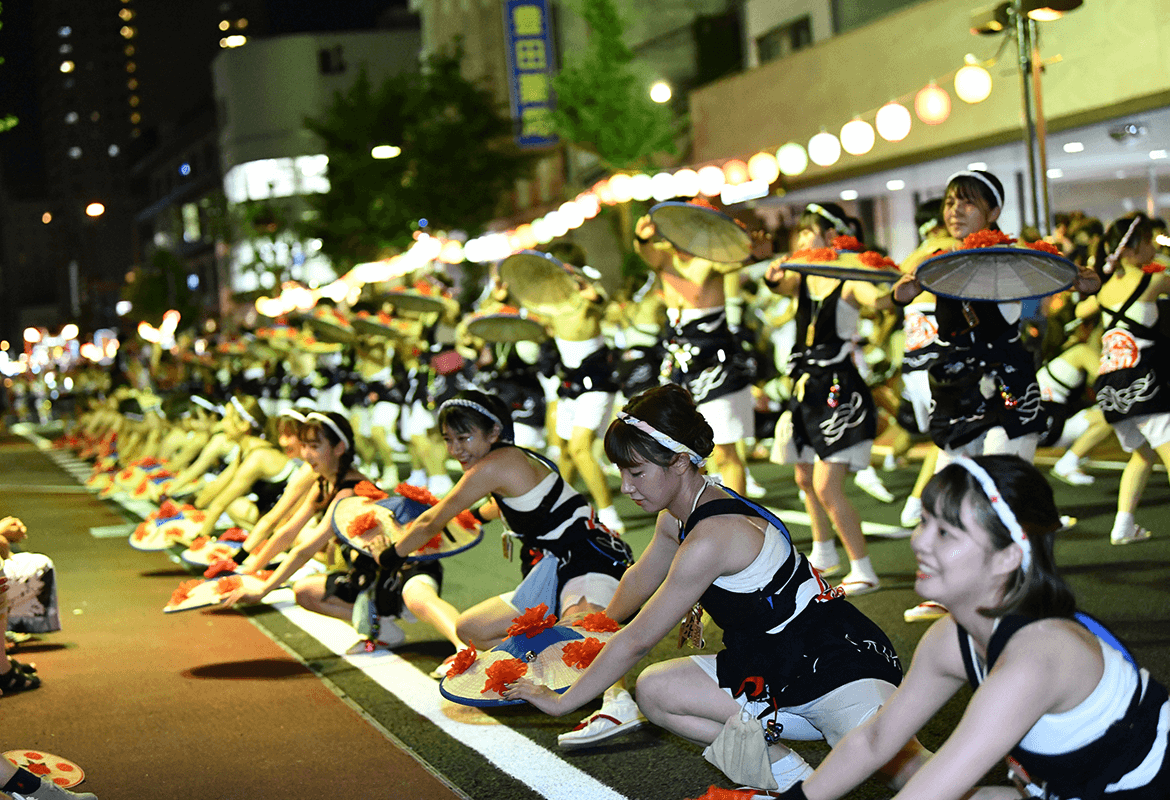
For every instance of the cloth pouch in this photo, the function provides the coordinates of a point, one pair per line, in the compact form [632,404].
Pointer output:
[741,752]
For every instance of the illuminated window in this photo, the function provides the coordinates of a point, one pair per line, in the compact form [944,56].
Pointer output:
[66,66]
[71,118]
[65,49]
[241,23]
[75,152]
[134,101]
[127,32]
[135,118]
[129,50]
[114,150]
[132,83]
[64,31]
[126,14]
[191,232]
[46,218]
[224,24]
[131,66]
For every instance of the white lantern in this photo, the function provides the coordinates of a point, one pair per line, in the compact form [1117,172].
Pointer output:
[972,83]
[824,149]
[711,180]
[792,159]
[620,187]
[857,137]
[932,104]
[686,183]
[763,167]
[893,122]
[662,186]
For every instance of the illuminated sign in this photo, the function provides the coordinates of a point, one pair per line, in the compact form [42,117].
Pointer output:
[530,60]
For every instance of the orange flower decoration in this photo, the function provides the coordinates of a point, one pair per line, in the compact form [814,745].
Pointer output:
[435,542]
[463,660]
[466,520]
[219,567]
[234,535]
[580,653]
[1153,268]
[417,493]
[597,622]
[875,260]
[1044,247]
[362,524]
[147,463]
[140,532]
[196,516]
[814,255]
[199,543]
[717,793]
[140,489]
[39,769]
[532,622]
[850,243]
[126,474]
[369,491]
[184,591]
[228,584]
[501,673]
[264,574]
[987,238]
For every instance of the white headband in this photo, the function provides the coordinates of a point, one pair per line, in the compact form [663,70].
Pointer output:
[292,413]
[239,407]
[474,406]
[967,173]
[333,426]
[203,402]
[1112,259]
[670,444]
[1001,508]
[841,225]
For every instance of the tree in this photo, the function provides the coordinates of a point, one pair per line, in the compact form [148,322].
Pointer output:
[457,161]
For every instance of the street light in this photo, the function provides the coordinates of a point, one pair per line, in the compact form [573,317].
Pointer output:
[95,209]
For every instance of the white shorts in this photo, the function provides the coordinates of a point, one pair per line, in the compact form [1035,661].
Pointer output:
[596,587]
[916,391]
[855,457]
[530,436]
[731,417]
[384,415]
[592,410]
[1151,429]
[993,442]
[829,717]
[417,420]
[359,417]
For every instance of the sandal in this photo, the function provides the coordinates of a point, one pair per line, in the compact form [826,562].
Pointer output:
[15,681]
[1136,534]
[27,669]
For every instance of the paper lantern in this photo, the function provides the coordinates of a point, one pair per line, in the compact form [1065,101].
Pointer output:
[662,186]
[792,159]
[824,149]
[972,83]
[857,137]
[711,180]
[589,205]
[735,172]
[932,104]
[641,187]
[620,188]
[573,215]
[893,122]
[686,183]
[762,167]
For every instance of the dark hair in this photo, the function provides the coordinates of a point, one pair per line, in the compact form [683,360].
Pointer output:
[973,190]
[668,408]
[314,428]
[927,212]
[568,252]
[464,419]
[1040,592]
[259,420]
[1144,232]
[823,226]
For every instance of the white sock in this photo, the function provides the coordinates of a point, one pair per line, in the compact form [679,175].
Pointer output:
[1122,525]
[608,517]
[1066,463]
[824,554]
[912,511]
[790,770]
[889,463]
[862,568]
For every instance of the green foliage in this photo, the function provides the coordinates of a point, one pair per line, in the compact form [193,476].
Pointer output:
[602,104]
[158,286]
[458,158]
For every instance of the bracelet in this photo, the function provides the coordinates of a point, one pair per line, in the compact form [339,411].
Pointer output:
[240,556]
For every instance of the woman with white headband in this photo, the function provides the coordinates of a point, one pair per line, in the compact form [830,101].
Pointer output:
[327,445]
[800,661]
[1133,383]
[1054,690]
[571,562]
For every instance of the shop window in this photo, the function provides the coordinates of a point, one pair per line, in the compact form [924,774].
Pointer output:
[784,39]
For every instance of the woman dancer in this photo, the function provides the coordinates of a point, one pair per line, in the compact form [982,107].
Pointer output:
[798,656]
[1133,385]
[1053,689]
[571,562]
[834,417]
[328,447]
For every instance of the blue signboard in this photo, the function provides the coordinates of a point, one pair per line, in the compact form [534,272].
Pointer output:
[530,62]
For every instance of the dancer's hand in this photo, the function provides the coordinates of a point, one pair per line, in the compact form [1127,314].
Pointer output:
[243,597]
[13,529]
[542,697]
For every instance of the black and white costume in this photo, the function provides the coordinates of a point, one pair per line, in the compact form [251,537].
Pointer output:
[703,355]
[1112,745]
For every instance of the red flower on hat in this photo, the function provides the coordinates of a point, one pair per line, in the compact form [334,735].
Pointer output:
[718,793]
[184,591]
[369,491]
[434,543]
[140,532]
[850,243]
[532,622]
[1044,247]
[875,260]
[38,769]
[417,493]
[597,622]
[467,520]
[219,567]
[362,524]
[1153,268]
[234,535]
[199,543]
[501,673]
[580,653]
[228,584]
[987,238]
[463,661]
[814,255]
